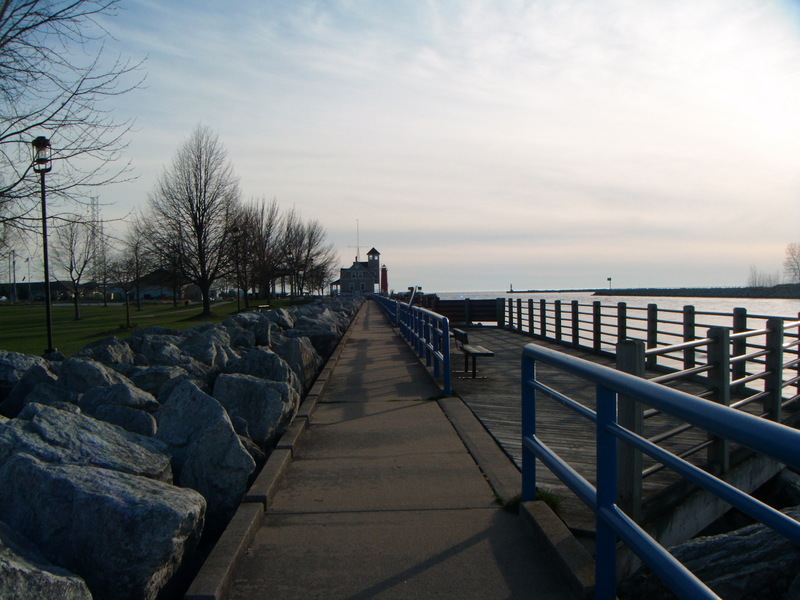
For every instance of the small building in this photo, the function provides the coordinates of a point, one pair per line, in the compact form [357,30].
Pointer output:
[361,278]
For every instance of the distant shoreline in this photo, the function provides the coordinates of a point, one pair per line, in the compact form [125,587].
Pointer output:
[787,291]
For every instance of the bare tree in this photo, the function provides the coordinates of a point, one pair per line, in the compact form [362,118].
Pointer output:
[758,278]
[73,254]
[791,265]
[53,81]
[137,253]
[193,205]
[267,248]
[122,269]
[307,252]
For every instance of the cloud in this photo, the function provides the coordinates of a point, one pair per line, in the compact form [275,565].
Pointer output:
[540,132]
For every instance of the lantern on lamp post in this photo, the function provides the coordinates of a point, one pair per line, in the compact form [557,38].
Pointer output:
[42,164]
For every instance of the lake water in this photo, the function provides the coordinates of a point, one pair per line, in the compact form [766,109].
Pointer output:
[769,307]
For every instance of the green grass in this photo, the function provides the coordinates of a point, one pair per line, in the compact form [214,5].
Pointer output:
[23,328]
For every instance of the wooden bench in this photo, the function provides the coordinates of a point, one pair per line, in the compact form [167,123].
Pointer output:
[263,307]
[462,343]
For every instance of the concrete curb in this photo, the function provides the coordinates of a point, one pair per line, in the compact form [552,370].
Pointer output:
[213,578]
[499,469]
[572,560]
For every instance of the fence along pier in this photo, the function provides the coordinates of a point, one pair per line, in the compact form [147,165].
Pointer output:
[744,361]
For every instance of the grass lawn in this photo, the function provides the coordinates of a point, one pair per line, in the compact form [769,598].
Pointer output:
[23,328]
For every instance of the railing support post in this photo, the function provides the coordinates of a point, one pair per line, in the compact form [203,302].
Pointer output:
[500,308]
[688,336]
[773,383]
[630,415]
[543,318]
[511,314]
[606,540]
[652,333]
[622,322]
[530,316]
[739,346]
[576,324]
[519,315]
[719,379]
[528,429]
[557,304]
[597,325]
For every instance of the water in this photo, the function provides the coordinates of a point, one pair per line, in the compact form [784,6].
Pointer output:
[768,307]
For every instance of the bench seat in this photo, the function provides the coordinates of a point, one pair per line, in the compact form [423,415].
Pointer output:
[470,350]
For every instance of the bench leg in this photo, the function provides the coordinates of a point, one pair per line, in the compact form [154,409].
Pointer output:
[474,360]
[466,363]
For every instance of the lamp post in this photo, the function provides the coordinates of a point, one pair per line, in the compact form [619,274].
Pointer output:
[42,163]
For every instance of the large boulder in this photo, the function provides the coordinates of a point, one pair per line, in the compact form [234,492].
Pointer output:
[206,333]
[110,351]
[207,454]
[267,407]
[123,405]
[25,573]
[124,535]
[38,373]
[265,364]
[300,355]
[12,367]
[751,563]
[82,374]
[153,379]
[62,437]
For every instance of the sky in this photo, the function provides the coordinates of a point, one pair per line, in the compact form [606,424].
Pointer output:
[548,144]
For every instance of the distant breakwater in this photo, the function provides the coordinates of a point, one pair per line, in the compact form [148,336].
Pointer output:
[784,291]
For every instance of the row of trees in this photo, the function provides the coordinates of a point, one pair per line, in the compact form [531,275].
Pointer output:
[196,228]
[791,270]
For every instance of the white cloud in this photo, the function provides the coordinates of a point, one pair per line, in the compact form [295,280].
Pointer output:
[565,135]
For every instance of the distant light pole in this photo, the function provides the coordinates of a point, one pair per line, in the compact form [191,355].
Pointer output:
[42,163]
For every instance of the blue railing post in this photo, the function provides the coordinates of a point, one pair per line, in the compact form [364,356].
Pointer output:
[606,541]
[528,428]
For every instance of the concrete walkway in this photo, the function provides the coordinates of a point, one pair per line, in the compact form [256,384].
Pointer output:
[382,499]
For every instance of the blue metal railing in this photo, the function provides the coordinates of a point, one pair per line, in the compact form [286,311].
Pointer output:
[767,437]
[427,332]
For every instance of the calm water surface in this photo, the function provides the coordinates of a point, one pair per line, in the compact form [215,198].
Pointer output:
[772,307]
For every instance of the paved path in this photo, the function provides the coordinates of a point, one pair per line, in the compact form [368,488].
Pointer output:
[383,500]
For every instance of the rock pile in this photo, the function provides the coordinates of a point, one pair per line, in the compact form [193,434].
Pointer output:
[114,462]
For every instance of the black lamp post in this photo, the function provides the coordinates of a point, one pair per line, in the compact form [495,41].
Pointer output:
[42,163]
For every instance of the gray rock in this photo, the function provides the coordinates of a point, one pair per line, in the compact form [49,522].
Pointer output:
[205,333]
[119,395]
[12,367]
[264,363]
[53,395]
[282,317]
[130,419]
[60,437]
[110,351]
[243,338]
[751,563]
[207,454]
[266,406]
[25,573]
[82,374]
[323,338]
[209,353]
[136,338]
[124,535]
[152,379]
[301,356]
[36,374]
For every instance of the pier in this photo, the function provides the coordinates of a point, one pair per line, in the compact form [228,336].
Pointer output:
[375,493]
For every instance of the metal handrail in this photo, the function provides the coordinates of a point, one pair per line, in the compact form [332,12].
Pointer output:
[427,332]
[770,438]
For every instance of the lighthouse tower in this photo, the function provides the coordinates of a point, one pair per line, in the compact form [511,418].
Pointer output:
[374,264]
